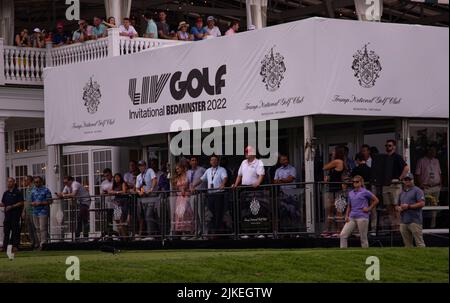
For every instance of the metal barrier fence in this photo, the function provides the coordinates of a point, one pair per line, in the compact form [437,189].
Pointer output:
[274,211]
[267,211]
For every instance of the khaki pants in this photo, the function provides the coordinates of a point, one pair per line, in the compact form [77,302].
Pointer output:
[349,227]
[410,231]
[41,225]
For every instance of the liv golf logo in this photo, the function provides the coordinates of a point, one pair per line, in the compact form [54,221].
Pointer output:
[91,96]
[366,67]
[272,70]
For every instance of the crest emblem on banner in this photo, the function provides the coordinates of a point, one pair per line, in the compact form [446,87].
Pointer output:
[272,70]
[91,96]
[254,207]
[366,67]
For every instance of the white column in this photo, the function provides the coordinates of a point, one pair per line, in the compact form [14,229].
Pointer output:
[2,172]
[308,126]
[256,13]
[113,42]
[7,21]
[2,63]
[115,159]
[52,177]
[118,9]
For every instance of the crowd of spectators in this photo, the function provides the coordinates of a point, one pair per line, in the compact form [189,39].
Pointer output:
[360,181]
[159,29]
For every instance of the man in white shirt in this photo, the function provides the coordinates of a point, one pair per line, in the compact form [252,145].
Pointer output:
[212,30]
[73,189]
[251,173]
[148,207]
[215,177]
[127,30]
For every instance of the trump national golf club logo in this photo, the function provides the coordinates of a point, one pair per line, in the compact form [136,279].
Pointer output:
[91,96]
[366,66]
[272,70]
[254,206]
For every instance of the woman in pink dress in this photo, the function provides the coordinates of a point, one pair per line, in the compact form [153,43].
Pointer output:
[184,215]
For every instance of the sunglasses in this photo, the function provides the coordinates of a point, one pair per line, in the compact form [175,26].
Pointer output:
[407,179]
[389,145]
[355,181]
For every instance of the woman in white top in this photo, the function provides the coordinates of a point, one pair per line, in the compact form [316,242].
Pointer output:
[183,33]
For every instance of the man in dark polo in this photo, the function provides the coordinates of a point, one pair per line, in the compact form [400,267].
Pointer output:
[13,202]
[410,205]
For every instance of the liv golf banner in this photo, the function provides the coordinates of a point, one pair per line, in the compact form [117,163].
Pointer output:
[314,66]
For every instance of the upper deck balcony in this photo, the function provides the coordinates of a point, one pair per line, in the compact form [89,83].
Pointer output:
[25,65]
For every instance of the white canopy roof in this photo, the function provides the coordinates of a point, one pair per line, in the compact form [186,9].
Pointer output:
[314,66]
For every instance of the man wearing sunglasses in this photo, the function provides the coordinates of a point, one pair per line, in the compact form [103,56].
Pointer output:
[410,204]
[395,169]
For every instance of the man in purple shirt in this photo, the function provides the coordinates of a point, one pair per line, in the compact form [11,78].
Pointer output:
[360,204]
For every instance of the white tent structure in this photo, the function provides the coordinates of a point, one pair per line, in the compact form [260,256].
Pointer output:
[314,67]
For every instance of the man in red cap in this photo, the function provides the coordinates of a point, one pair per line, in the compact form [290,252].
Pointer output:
[198,31]
[60,37]
[251,172]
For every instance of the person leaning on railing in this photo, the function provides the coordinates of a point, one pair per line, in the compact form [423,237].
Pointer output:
[121,201]
[360,204]
[74,190]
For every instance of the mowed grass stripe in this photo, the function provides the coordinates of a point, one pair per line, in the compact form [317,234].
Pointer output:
[256,265]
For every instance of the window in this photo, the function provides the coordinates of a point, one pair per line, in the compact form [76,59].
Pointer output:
[77,166]
[30,139]
[21,173]
[102,160]
[39,170]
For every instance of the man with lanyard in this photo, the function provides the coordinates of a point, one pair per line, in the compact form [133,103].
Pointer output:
[27,214]
[12,201]
[289,205]
[75,190]
[216,178]
[148,207]
[194,175]
[251,173]
[41,199]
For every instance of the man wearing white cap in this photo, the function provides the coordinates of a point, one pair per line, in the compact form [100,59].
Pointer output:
[37,39]
[211,28]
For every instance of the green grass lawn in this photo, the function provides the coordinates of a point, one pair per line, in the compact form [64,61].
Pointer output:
[249,265]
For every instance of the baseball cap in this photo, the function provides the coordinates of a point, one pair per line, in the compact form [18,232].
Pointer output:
[37,30]
[210,18]
[408,176]
[142,162]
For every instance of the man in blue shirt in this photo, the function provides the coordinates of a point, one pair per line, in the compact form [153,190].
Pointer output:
[198,31]
[40,201]
[410,204]
[60,37]
[148,207]
[12,201]
[99,29]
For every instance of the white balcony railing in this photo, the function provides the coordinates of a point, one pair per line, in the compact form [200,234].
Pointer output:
[25,66]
